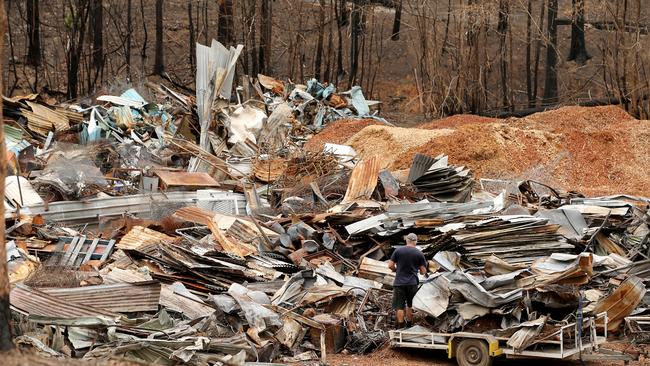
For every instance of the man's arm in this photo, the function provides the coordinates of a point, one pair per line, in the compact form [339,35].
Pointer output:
[423,265]
[392,266]
[392,263]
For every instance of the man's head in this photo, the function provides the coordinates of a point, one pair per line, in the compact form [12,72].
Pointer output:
[411,239]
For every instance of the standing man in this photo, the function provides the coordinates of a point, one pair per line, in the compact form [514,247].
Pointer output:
[406,262]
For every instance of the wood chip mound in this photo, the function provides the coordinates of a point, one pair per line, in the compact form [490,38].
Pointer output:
[389,143]
[596,151]
[593,150]
[339,132]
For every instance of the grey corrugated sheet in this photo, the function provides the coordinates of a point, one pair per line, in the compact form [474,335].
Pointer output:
[572,222]
[35,302]
[421,163]
[118,297]
[89,211]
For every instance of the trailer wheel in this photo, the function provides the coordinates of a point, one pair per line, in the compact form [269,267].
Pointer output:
[473,352]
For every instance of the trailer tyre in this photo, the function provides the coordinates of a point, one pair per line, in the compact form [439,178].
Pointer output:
[473,352]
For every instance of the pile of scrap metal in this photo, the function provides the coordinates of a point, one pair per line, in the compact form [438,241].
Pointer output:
[193,230]
[139,224]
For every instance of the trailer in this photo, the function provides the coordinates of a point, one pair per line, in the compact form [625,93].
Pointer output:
[571,341]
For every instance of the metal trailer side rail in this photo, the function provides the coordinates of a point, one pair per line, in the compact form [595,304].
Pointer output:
[594,341]
[445,341]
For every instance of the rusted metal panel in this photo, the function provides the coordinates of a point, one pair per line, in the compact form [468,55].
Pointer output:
[171,179]
[139,236]
[118,297]
[363,180]
[620,303]
[194,214]
[35,302]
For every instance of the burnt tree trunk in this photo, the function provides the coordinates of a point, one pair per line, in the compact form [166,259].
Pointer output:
[159,64]
[319,46]
[254,52]
[33,33]
[145,34]
[225,28]
[529,40]
[502,30]
[79,13]
[206,26]
[578,52]
[5,313]
[129,37]
[538,48]
[397,22]
[445,40]
[266,26]
[192,54]
[356,39]
[97,20]
[550,79]
[340,23]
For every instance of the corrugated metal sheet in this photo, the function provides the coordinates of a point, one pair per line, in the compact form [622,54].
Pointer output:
[42,119]
[421,163]
[35,302]
[215,69]
[220,201]
[363,180]
[194,214]
[89,211]
[139,236]
[25,195]
[119,297]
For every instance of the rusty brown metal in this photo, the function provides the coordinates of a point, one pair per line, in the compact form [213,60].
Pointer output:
[620,303]
[35,302]
[363,180]
[169,179]
[194,214]
[139,236]
[118,297]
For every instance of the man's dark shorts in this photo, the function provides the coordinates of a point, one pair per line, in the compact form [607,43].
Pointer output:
[403,295]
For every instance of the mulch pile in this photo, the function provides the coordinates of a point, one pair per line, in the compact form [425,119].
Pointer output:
[597,150]
[338,132]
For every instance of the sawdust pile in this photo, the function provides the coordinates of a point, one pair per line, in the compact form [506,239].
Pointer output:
[389,143]
[600,150]
[338,132]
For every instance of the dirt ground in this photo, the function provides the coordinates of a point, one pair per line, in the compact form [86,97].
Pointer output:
[27,358]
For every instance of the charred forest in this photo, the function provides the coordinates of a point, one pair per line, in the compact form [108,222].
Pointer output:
[423,58]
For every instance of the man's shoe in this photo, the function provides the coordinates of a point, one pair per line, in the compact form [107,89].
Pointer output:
[399,326]
[408,324]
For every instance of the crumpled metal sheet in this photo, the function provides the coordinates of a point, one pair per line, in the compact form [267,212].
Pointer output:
[525,336]
[363,180]
[471,290]
[433,297]
[621,302]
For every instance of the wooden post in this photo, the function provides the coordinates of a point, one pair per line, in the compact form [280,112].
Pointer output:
[5,313]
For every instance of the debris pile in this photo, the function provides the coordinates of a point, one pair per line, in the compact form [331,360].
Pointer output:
[176,229]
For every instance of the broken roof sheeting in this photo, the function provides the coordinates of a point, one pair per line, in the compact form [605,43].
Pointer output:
[119,297]
[515,239]
[572,222]
[621,302]
[35,302]
[139,236]
[363,180]
[215,71]
[444,182]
